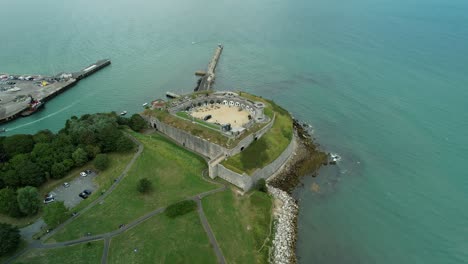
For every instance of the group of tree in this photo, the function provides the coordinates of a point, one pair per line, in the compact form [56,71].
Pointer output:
[27,161]
[10,237]
[22,202]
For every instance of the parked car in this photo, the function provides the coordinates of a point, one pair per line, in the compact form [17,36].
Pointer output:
[83,174]
[66,184]
[49,200]
[84,194]
[48,196]
[88,171]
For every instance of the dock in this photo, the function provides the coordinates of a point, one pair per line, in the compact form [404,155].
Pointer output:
[22,95]
[206,82]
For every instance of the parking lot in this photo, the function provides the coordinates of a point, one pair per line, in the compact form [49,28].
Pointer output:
[69,195]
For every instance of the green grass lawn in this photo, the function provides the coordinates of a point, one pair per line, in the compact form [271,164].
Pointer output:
[214,136]
[266,149]
[82,253]
[163,240]
[175,174]
[241,225]
[188,117]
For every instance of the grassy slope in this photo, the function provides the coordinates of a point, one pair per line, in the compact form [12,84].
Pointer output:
[269,147]
[81,253]
[104,180]
[174,172]
[164,240]
[241,224]
[194,128]
[187,116]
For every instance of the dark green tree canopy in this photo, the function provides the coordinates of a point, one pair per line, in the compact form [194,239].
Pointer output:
[28,200]
[101,162]
[9,237]
[137,123]
[144,185]
[18,144]
[9,203]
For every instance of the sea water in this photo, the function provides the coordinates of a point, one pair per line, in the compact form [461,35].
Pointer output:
[383,83]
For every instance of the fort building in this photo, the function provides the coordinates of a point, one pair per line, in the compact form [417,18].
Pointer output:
[227,128]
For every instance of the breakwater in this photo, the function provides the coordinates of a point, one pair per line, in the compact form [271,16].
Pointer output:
[206,82]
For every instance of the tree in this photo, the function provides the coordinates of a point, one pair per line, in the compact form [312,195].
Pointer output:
[124,144]
[28,200]
[80,157]
[17,144]
[55,214]
[43,156]
[92,151]
[144,185]
[9,203]
[261,185]
[27,171]
[10,237]
[58,170]
[43,136]
[101,162]
[137,123]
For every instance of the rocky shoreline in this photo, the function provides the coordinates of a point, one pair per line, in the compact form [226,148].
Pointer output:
[306,159]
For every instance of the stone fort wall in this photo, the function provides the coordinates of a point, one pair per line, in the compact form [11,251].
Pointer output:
[217,153]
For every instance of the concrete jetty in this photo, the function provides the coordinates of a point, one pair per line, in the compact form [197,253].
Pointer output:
[22,95]
[207,80]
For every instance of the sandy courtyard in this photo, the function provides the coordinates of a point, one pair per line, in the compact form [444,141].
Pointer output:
[222,114]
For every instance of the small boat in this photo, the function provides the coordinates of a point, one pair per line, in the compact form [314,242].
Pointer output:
[34,106]
[123,113]
[145,104]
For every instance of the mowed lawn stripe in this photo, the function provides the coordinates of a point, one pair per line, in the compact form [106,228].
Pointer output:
[241,225]
[161,239]
[175,174]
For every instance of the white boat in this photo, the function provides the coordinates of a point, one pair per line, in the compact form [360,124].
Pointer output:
[145,104]
[123,113]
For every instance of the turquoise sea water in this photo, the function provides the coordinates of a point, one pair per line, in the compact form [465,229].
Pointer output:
[383,82]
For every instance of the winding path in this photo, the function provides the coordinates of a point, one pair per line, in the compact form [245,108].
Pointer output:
[108,236]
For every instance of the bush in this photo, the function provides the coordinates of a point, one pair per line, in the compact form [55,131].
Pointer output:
[137,123]
[101,162]
[55,214]
[144,185]
[10,237]
[261,185]
[80,157]
[180,208]
[9,203]
[28,200]
[124,144]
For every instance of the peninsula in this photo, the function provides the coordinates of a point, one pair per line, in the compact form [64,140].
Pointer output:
[204,177]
